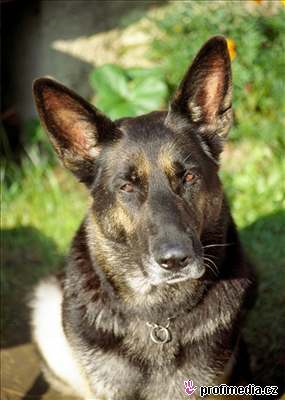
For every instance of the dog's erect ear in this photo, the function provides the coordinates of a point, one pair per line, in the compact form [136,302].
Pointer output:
[204,97]
[76,128]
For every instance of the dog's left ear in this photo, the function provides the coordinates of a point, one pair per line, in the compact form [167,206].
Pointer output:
[203,98]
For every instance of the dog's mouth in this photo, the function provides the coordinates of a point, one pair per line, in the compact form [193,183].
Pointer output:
[154,276]
[158,276]
[176,278]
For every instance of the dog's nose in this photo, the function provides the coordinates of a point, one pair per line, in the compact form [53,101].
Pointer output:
[173,257]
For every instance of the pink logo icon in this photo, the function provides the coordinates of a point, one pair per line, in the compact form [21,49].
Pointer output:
[189,387]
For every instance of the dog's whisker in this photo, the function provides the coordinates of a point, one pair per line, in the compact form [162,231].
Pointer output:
[211,255]
[211,269]
[217,245]
[212,262]
[186,158]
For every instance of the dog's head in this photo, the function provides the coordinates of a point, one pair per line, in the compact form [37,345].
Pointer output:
[153,178]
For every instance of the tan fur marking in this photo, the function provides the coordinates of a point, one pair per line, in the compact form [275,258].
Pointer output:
[139,161]
[165,159]
[120,217]
[104,252]
[142,165]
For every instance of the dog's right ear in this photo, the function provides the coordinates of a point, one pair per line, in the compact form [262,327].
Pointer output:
[76,129]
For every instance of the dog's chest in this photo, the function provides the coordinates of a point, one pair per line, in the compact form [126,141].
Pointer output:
[113,377]
[140,368]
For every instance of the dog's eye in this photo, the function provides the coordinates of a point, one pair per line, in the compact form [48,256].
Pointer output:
[127,187]
[189,177]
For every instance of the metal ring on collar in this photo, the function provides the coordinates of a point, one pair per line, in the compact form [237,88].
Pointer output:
[166,336]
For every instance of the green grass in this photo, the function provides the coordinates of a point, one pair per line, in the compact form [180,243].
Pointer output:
[254,178]
[48,199]
[41,209]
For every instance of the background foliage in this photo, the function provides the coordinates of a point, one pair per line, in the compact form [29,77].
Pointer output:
[41,195]
[128,92]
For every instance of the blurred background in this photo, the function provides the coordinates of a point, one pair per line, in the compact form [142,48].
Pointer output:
[127,57]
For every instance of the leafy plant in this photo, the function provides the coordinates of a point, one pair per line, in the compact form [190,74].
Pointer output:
[128,92]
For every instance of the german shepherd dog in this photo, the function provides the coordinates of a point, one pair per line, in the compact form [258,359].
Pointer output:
[156,284]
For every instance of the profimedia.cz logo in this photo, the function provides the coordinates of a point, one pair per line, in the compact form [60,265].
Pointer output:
[226,390]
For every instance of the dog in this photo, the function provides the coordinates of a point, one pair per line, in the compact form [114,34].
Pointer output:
[157,285]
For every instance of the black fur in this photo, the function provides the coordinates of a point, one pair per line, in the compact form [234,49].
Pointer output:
[155,190]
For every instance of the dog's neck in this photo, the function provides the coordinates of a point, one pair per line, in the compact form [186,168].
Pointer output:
[97,306]
[97,293]
[100,297]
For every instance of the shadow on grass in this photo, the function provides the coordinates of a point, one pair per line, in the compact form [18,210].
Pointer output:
[27,255]
[264,241]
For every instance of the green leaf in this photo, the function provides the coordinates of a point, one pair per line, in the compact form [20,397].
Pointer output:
[110,78]
[123,109]
[148,94]
[128,92]
[142,73]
